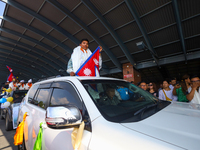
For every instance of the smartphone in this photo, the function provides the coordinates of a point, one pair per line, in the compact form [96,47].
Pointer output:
[177,83]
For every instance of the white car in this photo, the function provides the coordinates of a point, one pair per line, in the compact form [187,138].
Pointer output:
[117,114]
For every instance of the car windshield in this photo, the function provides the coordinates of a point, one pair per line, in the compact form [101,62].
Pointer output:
[18,96]
[121,101]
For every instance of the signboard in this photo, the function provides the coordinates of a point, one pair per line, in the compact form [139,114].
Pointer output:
[128,75]
[15,114]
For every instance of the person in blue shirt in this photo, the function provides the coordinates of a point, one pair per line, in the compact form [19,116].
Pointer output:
[125,93]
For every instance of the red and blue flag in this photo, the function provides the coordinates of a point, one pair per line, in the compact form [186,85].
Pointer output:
[11,76]
[91,66]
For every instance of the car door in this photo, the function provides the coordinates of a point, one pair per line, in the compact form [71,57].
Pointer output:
[36,109]
[65,93]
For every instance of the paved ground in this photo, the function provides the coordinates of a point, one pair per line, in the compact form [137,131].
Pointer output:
[6,138]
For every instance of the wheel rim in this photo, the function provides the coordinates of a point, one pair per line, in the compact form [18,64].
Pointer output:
[21,147]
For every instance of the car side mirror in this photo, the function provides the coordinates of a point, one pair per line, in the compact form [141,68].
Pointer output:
[63,117]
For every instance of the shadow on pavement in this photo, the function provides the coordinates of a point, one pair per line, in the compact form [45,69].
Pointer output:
[6,138]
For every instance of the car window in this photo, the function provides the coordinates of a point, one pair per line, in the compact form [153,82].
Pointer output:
[65,96]
[121,101]
[41,98]
[32,91]
[18,96]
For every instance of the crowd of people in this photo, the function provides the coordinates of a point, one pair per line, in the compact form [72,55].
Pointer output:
[187,90]
[17,85]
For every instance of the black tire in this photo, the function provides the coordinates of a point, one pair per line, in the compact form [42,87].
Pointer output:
[1,113]
[22,146]
[9,125]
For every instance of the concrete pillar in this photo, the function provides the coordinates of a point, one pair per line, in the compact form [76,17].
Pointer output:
[130,74]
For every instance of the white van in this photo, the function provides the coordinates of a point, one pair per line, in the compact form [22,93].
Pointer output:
[117,114]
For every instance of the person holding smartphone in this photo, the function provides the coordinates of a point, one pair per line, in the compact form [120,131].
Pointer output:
[180,89]
[194,91]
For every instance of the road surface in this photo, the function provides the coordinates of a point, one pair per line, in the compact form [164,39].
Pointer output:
[6,138]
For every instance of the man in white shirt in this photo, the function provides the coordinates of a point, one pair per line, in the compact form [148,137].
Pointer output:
[22,85]
[194,90]
[79,56]
[13,85]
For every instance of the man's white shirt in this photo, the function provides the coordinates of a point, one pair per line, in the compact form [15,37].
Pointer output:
[196,98]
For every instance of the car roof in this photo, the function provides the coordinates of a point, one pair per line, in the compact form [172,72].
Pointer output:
[72,78]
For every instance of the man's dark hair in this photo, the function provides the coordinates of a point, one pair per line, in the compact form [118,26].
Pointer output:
[167,80]
[84,40]
[183,84]
[173,78]
[185,76]
[142,82]
[194,76]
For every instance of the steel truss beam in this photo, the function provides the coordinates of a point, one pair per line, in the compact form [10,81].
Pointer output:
[36,42]
[43,34]
[17,55]
[86,29]
[10,58]
[50,63]
[133,11]
[52,71]
[163,61]
[22,68]
[24,76]
[179,27]
[41,18]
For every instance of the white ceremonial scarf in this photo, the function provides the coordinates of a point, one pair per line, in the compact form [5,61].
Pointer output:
[79,57]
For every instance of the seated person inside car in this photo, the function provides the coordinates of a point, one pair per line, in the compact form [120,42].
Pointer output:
[124,92]
[17,98]
[110,98]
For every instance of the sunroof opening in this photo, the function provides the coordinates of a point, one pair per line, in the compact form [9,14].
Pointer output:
[2,8]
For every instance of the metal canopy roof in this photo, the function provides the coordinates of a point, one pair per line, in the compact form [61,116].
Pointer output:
[37,36]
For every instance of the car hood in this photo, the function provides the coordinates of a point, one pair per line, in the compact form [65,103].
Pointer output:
[178,124]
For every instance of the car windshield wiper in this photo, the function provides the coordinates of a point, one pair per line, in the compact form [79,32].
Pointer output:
[145,108]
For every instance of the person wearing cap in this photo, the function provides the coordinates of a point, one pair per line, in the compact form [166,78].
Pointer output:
[29,84]
[13,85]
[22,85]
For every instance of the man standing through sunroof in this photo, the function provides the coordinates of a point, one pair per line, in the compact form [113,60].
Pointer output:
[79,56]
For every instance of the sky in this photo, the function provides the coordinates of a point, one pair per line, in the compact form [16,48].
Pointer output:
[2,7]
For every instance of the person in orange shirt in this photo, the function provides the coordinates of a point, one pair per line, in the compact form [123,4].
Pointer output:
[29,84]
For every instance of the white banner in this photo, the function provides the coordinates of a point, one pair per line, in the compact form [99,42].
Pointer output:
[15,114]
